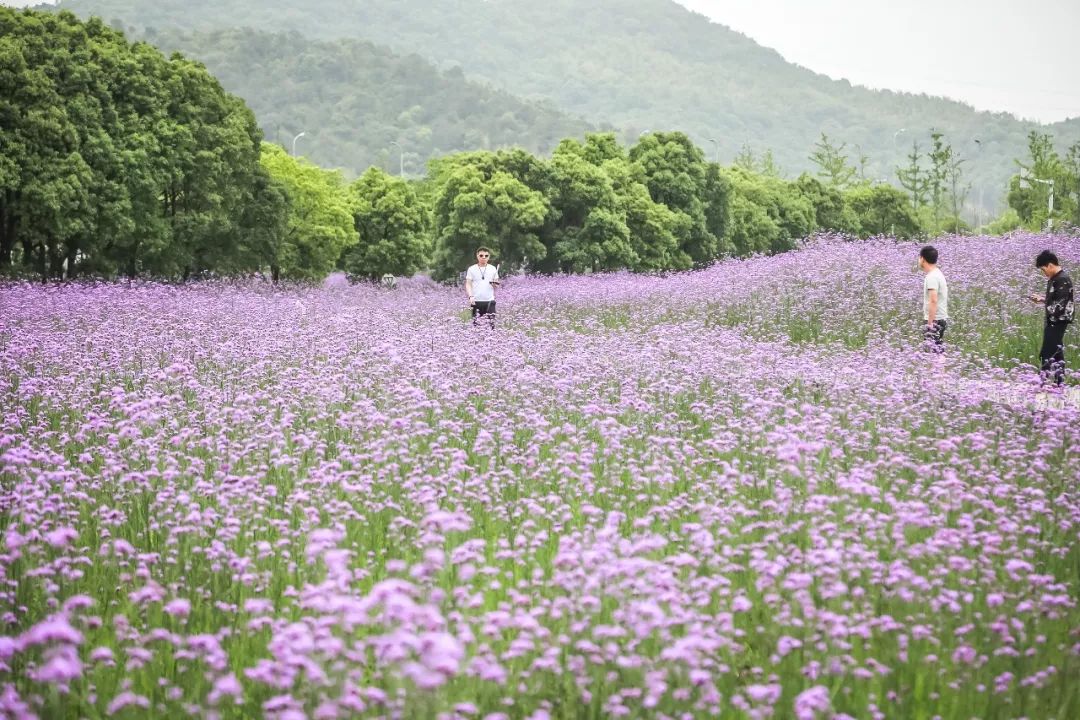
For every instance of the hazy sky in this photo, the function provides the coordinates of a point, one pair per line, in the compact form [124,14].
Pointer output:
[1021,56]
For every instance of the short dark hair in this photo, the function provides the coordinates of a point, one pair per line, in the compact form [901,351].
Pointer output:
[1045,258]
[483,249]
[929,254]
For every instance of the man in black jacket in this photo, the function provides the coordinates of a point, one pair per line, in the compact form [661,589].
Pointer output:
[1059,313]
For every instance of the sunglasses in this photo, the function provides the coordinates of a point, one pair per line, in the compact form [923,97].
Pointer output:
[482,256]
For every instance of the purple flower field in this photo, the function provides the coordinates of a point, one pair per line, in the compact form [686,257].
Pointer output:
[743,492]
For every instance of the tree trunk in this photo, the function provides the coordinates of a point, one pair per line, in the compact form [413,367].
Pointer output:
[7,239]
[275,273]
[42,268]
[72,254]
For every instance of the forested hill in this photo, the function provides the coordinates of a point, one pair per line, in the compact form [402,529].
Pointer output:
[352,99]
[640,64]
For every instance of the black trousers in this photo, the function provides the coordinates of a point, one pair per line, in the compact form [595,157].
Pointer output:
[1052,353]
[935,334]
[483,309]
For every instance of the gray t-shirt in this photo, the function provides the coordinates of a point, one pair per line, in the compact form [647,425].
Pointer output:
[934,280]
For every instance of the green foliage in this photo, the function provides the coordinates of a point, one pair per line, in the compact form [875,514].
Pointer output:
[590,232]
[770,215]
[883,210]
[832,164]
[1009,221]
[675,173]
[319,223]
[494,199]
[831,211]
[1029,191]
[914,178]
[116,159]
[391,223]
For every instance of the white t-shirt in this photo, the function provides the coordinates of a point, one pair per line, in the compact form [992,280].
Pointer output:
[934,280]
[481,278]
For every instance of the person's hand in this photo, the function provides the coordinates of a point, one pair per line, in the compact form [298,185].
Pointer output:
[1033,297]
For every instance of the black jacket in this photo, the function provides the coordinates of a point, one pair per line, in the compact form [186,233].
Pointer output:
[1059,299]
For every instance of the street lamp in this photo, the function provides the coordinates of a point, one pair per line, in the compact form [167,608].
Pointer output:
[294,142]
[401,158]
[901,130]
[979,209]
[716,144]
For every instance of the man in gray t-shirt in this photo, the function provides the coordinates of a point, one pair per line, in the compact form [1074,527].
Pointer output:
[935,299]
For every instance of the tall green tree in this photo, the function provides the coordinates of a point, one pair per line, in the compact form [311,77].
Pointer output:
[832,163]
[590,231]
[914,178]
[115,158]
[675,172]
[319,219]
[831,210]
[883,210]
[499,200]
[391,224]
[1029,190]
[941,159]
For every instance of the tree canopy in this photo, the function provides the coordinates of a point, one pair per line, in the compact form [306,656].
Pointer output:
[115,158]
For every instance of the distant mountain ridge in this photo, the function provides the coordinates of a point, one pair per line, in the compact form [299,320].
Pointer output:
[640,64]
[352,99]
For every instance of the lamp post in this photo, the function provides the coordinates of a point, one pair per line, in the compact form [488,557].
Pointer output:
[716,144]
[901,130]
[401,158]
[294,142]
[979,209]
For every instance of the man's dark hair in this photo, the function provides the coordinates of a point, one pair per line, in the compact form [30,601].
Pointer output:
[1046,258]
[483,249]
[929,254]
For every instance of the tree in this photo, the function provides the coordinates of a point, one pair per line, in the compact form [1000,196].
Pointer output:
[1030,197]
[914,179]
[831,211]
[485,198]
[958,191]
[115,159]
[391,224]
[319,221]
[832,164]
[590,231]
[882,210]
[675,173]
[790,214]
[941,158]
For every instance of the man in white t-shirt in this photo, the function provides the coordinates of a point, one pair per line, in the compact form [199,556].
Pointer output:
[480,282]
[935,299]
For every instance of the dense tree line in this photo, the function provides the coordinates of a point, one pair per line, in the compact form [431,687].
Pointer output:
[119,161]
[658,206]
[638,64]
[116,159]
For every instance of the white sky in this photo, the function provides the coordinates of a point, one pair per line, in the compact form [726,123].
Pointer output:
[1020,56]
